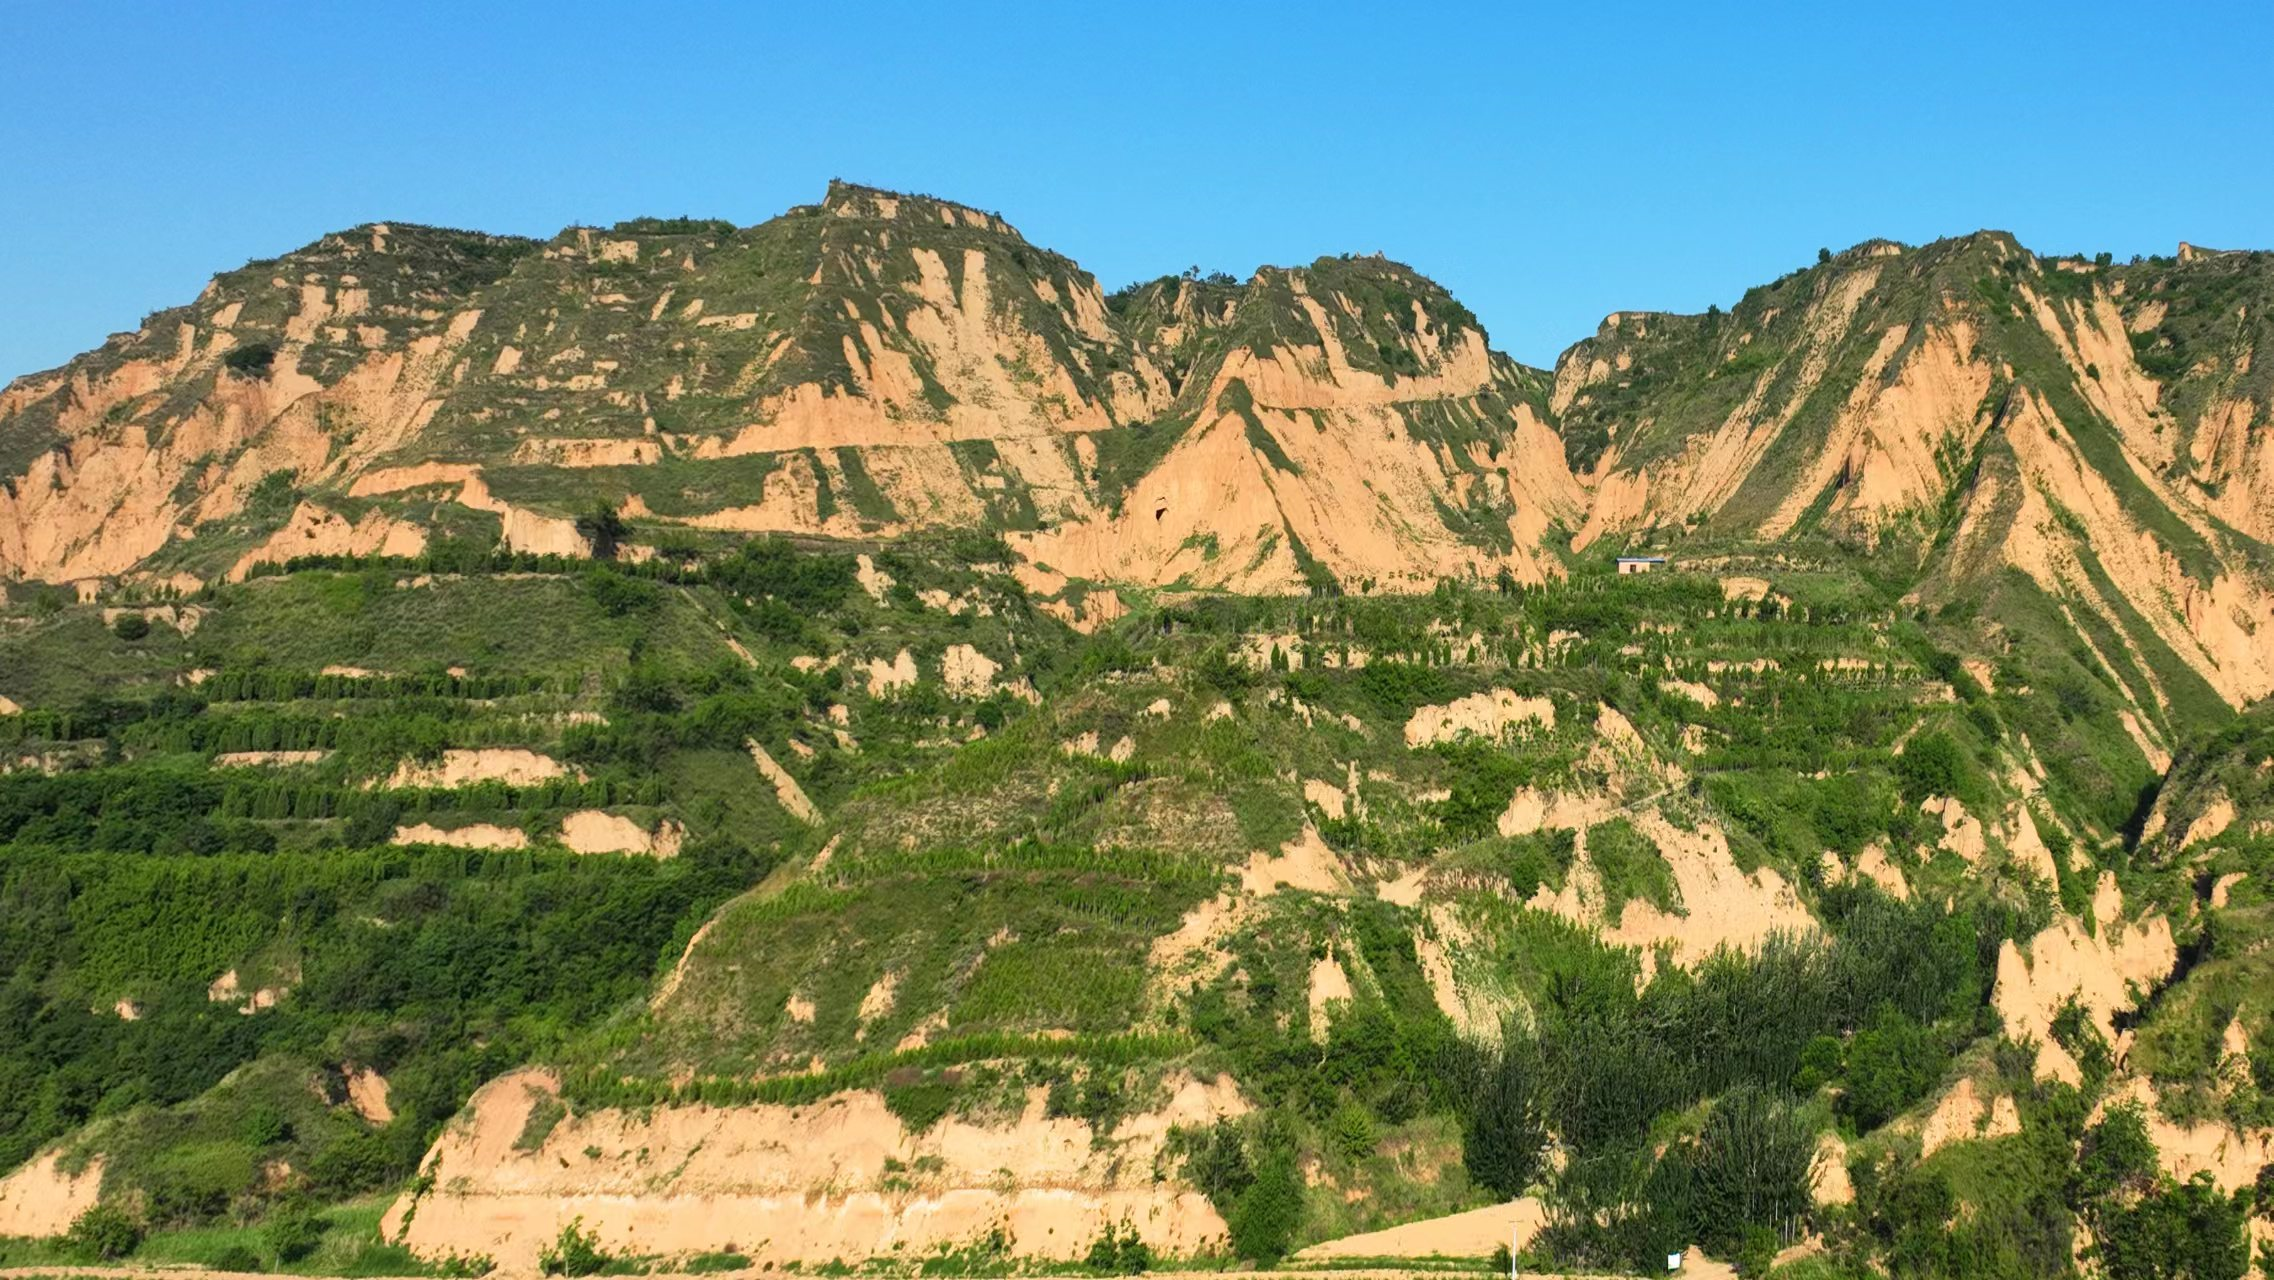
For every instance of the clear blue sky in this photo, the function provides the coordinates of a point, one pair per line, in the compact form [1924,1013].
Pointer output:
[1548,163]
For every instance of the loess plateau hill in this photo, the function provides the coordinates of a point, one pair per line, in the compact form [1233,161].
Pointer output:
[839,744]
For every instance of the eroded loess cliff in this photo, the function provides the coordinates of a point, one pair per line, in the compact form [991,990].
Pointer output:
[870,365]
[839,1178]
[879,364]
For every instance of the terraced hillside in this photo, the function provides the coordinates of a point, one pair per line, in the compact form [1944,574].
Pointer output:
[1193,788]
[1231,923]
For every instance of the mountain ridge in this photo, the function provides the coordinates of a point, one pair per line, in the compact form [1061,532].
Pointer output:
[879,363]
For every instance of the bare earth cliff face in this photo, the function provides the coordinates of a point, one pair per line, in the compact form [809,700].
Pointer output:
[837,1179]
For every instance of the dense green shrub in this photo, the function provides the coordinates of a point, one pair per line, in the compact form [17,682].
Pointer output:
[1821,1062]
[1216,1163]
[264,1126]
[621,595]
[1933,764]
[1540,858]
[2179,1231]
[574,1252]
[357,1163]
[1507,1131]
[293,1232]
[104,1233]
[1119,1251]
[1615,1062]
[771,568]
[1264,1220]
[1482,777]
[1396,688]
[1629,866]
[2117,1156]
[1351,1131]
[1890,1065]
[920,1104]
[2074,1030]
[1618,1210]
[1848,810]
[1751,1169]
